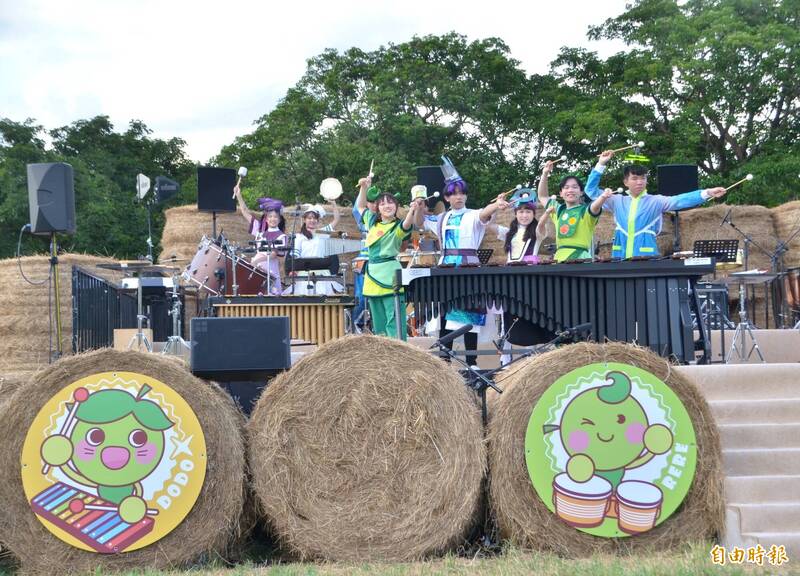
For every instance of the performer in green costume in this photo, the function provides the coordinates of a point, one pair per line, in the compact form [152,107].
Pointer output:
[385,236]
[574,220]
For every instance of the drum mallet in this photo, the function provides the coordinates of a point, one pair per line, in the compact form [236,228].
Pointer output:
[242,174]
[748,177]
[639,144]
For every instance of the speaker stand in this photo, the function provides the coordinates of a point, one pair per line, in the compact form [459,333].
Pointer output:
[139,338]
[54,275]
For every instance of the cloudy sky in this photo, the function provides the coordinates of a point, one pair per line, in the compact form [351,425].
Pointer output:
[204,71]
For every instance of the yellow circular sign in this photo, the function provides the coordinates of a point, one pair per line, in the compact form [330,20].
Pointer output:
[113,462]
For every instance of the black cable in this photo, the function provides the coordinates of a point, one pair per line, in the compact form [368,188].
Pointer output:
[19,259]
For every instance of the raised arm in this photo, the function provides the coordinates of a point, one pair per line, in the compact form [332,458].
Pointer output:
[361,200]
[597,204]
[335,221]
[692,199]
[246,213]
[593,181]
[544,196]
[492,207]
[413,217]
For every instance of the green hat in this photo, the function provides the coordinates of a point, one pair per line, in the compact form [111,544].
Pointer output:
[372,193]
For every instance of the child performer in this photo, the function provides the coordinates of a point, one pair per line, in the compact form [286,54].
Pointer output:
[525,235]
[309,243]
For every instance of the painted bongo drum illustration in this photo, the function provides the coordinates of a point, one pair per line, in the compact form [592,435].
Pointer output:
[581,504]
[638,505]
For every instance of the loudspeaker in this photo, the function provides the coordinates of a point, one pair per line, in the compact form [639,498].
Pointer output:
[51,198]
[228,349]
[674,179]
[215,189]
[433,179]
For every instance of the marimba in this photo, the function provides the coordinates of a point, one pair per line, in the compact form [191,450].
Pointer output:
[649,302]
[316,319]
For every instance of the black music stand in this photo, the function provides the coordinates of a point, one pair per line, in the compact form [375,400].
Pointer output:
[722,250]
[329,263]
[484,255]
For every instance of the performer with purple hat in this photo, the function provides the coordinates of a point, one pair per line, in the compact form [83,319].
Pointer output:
[270,225]
[460,231]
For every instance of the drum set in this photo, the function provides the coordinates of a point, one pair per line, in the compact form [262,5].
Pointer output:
[219,268]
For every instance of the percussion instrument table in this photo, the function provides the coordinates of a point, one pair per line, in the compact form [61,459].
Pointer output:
[316,319]
[649,302]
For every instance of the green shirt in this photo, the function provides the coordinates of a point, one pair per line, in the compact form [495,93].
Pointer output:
[383,243]
[574,231]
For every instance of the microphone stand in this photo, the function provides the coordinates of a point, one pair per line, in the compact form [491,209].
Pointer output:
[292,239]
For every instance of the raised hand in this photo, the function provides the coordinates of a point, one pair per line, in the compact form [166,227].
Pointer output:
[604,157]
[717,192]
[548,168]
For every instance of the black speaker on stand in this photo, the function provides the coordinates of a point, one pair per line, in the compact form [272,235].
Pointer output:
[51,200]
[215,192]
[674,179]
[432,178]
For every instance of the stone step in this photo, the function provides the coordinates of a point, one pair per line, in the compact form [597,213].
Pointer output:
[735,436]
[773,517]
[759,411]
[791,540]
[760,462]
[761,489]
[745,381]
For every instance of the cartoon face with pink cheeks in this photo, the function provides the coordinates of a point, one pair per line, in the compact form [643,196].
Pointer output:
[117,440]
[605,431]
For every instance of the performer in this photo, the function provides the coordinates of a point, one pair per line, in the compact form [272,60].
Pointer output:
[310,243]
[385,236]
[364,202]
[638,215]
[524,237]
[270,225]
[460,231]
[575,220]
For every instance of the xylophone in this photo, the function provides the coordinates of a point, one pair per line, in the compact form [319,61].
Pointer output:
[316,319]
[645,301]
[76,513]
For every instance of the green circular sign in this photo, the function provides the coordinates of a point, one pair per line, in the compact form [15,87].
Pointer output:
[610,449]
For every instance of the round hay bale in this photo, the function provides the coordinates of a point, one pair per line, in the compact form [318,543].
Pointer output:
[521,515]
[787,221]
[209,529]
[368,449]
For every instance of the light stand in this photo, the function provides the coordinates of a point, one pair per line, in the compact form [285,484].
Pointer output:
[139,338]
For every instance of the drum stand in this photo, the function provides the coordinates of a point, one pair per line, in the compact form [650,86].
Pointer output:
[175,343]
[743,329]
[139,338]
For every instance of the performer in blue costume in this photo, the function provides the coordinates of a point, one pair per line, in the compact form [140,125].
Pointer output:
[637,214]
[460,231]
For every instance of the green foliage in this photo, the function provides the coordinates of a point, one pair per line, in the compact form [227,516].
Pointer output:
[109,219]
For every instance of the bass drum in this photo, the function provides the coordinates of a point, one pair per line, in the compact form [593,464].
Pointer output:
[211,270]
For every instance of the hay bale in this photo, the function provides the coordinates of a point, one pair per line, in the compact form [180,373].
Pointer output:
[209,529]
[24,321]
[521,515]
[368,449]
[787,220]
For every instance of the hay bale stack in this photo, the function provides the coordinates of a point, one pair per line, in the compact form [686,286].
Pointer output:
[521,515]
[787,220]
[24,321]
[209,530]
[368,449]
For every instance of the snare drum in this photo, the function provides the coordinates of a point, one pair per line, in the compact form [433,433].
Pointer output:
[581,504]
[638,505]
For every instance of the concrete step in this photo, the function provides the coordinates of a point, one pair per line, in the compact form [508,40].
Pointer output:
[745,381]
[758,411]
[760,462]
[781,435]
[761,489]
[773,517]
[791,540]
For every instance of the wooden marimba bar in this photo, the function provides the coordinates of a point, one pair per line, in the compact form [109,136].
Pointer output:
[316,319]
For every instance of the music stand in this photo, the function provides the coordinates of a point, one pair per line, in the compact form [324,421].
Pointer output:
[722,250]
[329,263]
[484,255]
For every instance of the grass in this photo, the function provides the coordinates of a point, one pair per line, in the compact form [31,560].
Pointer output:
[695,560]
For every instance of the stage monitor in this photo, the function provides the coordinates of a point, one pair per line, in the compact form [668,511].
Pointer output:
[215,189]
[674,179]
[432,178]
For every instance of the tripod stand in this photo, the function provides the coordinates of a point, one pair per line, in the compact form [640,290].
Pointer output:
[744,329]
[175,343]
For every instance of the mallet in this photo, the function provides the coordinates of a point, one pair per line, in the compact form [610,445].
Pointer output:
[242,174]
[371,175]
[557,160]
[79,395]
[748,177]
[639,144]
[77,506]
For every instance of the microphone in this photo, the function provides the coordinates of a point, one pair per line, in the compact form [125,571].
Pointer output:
[448,338]
[727,217]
